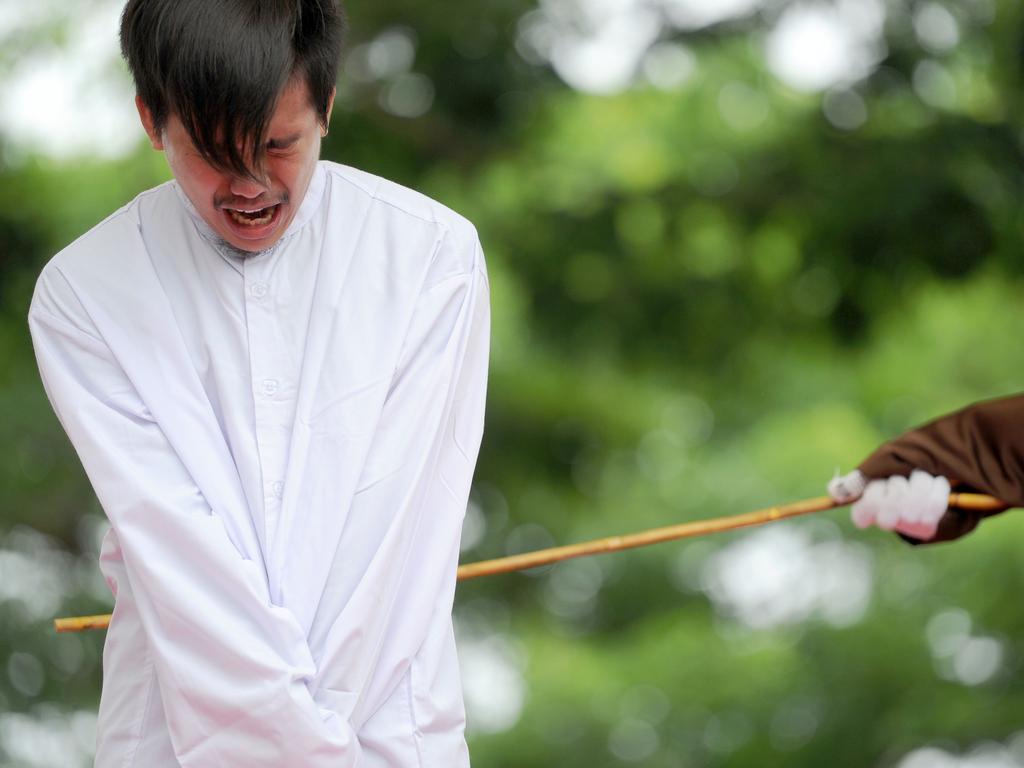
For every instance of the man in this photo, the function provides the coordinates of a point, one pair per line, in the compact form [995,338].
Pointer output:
[904,485]
[273,371]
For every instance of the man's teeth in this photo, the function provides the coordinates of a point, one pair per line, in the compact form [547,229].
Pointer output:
[252,218]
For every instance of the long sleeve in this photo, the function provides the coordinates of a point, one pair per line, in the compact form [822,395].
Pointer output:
[980,448]
[233,668]
[405,520]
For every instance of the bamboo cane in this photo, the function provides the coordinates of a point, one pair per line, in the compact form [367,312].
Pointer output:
[970,501]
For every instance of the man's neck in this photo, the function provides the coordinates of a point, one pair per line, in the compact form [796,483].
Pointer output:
[237,253]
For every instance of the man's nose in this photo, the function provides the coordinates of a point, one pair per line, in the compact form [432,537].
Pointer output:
[244,187]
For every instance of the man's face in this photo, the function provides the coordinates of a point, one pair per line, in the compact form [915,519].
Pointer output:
[249,215]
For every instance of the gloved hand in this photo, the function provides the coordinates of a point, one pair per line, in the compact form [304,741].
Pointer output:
[911,506]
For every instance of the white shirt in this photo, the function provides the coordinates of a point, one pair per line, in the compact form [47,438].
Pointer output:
[283,445]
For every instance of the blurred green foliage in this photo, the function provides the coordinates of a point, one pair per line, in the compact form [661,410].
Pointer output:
[706,299]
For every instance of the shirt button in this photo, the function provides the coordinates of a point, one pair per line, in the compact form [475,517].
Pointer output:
[278,489]
[270,387]
[258,290]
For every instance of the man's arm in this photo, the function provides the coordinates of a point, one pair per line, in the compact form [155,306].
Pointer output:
[980,448]
[232,667]
[404,525]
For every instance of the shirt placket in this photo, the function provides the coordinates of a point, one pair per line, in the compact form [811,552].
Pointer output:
[272,389]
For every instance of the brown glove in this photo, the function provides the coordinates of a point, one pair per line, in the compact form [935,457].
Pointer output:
[979,448]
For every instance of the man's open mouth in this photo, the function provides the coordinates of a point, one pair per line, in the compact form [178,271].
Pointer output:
[253,218]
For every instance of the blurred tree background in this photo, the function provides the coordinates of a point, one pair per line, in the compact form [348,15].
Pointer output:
[733,245]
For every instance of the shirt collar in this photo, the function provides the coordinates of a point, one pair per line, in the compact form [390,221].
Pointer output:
[310,204]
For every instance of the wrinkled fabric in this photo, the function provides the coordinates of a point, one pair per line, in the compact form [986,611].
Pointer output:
[283,445]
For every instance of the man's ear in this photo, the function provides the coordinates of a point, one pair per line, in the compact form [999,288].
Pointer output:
[155,137]
[330,106]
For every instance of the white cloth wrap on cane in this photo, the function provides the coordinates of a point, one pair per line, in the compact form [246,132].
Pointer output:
[912,506]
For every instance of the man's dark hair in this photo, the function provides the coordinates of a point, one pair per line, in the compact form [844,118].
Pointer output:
[220,65]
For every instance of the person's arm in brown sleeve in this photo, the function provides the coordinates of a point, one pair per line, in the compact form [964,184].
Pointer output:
[979,448]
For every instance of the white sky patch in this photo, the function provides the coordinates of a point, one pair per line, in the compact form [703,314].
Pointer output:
[388,55]
[984,755]
[602,53]
[598,46]
[40,576]
[845,109]
[936,28]
[781,575]
[38,581]
[694,14]
[409,95]
[73,100]
[669,65]
[15,17]
[493,684]
[818,46]
[959,653]
[474,527]
[572,587]
[48,737]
